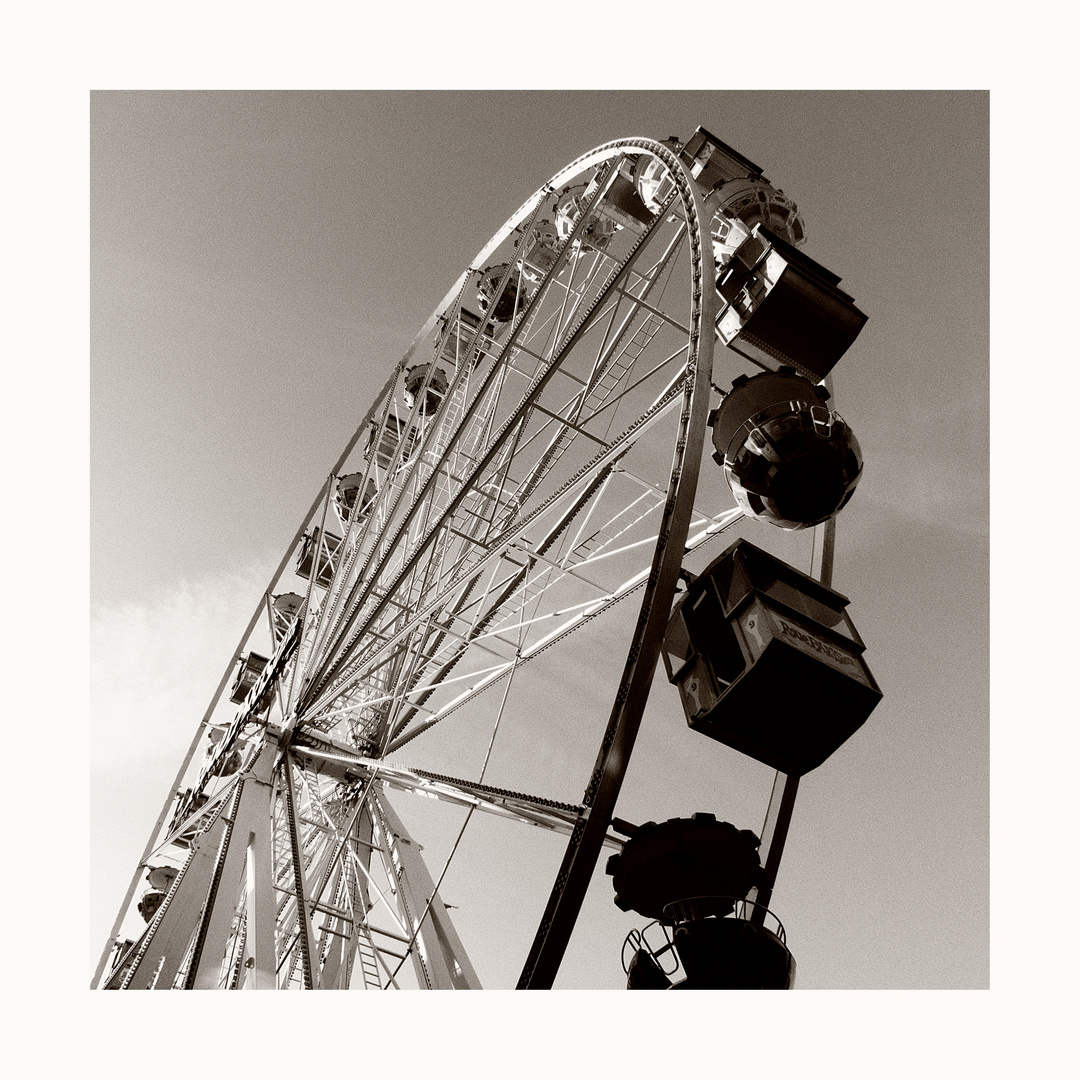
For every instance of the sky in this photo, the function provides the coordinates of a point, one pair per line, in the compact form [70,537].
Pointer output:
[259,261]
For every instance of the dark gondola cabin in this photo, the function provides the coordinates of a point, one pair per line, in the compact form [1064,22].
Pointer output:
[780,307]
[768,662]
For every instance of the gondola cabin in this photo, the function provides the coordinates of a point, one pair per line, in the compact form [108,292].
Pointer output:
[251,667]
[348,488]
[462,331]
[768,662]
[326,544]
[383,440]
[780,307]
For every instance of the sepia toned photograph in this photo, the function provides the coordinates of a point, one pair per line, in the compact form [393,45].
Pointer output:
[539,540]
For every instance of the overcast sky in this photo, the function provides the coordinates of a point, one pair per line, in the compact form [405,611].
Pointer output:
[259,261]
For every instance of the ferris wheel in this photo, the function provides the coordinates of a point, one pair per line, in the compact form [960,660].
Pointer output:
[530,467]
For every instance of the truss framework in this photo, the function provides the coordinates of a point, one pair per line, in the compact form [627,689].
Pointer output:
[514,481]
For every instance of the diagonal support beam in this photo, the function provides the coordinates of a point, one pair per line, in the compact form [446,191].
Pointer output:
[303,910]
[438,954]
[245,856]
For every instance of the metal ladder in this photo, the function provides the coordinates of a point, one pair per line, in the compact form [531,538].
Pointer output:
[369,964]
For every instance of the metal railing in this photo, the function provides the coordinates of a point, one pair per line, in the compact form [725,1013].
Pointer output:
[694,909]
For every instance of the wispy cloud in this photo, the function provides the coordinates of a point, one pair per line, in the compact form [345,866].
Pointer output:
[154,664]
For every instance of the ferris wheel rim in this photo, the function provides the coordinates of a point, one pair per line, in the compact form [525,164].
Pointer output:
[695,380]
